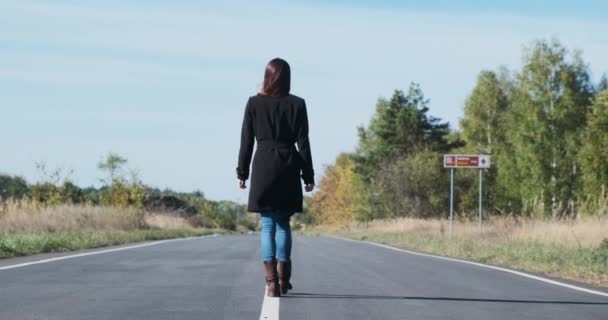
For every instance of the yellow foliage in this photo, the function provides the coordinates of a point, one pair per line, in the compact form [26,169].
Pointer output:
[337,199]
[123,195]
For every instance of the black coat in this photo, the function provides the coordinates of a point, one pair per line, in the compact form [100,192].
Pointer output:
[277,124]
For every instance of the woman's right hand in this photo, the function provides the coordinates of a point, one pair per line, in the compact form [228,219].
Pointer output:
[242,184]
[309,187]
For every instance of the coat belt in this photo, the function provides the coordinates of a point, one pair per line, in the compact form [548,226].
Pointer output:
[269,144]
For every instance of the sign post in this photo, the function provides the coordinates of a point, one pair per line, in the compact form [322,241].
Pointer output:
[480,207]
[451,199]
[453,161]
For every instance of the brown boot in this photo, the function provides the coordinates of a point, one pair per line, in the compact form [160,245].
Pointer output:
[284,269]
[272,278]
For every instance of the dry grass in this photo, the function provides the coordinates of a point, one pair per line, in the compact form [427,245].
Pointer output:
[28,228]
[30,217]
[572,249]
[585,232]
[166,221]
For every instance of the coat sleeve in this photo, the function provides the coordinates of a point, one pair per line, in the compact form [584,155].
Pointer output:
[247,140]
[308,174]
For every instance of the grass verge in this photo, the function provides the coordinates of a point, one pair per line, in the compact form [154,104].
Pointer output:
[541,249]
[28,227]
[588,265]
[23,244]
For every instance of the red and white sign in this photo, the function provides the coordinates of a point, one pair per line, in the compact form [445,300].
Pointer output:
[466,161]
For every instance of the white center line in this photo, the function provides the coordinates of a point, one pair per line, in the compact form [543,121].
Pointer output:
[270,308]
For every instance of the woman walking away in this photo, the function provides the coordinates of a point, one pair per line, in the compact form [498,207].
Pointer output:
[278,121]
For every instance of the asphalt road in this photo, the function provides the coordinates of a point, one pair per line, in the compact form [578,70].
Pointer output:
[221,278]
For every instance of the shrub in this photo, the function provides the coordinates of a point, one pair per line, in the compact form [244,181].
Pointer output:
[122,195]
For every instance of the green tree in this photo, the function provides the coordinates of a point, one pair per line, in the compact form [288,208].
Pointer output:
[400,126]
[399,130]
[483,130]
[113,165]
[603,85]
[594,151]
[12,187]
[483,121]
[549,109]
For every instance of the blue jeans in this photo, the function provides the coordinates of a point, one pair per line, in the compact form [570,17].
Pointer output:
[276,236]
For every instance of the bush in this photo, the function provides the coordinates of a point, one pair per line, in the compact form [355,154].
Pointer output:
[201,221]
[48,193]
[122,195]
[248,224]
[224,220]
[414,186]
[171,203]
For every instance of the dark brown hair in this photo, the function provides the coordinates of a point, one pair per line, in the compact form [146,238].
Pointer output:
[277,78]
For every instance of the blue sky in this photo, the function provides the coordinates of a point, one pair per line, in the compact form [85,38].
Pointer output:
[164,83]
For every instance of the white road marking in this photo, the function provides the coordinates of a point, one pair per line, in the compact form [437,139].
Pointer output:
[96,252]
[270,308]
[557,283]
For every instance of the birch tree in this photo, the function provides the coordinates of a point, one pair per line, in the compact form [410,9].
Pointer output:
[552,97]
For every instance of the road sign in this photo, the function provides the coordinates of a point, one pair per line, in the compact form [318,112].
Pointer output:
[453,161]
[466,161]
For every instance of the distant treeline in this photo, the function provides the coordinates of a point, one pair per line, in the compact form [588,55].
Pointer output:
[545,126]
[118,190]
